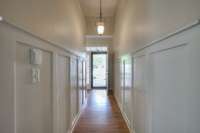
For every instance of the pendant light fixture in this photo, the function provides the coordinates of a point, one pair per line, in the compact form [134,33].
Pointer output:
[100,23]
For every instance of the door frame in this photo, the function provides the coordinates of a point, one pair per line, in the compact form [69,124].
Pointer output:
[92,85]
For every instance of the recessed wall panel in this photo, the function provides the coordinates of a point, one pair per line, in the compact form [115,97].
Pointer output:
[74,88]
[169,78]
[139,95]
[33,100]
[63,91]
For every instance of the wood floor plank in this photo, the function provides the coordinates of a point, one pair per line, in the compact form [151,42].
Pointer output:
[101,115]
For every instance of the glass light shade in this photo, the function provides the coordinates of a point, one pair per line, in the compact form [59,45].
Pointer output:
[100,28]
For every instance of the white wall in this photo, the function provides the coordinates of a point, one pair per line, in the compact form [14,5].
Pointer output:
[123,91]
[33,101]
[165,89]
[74,88]
[81,82]
[60,21]
[139,22]
[42,107]
[57,28]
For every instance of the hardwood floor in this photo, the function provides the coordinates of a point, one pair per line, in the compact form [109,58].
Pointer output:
[101,115]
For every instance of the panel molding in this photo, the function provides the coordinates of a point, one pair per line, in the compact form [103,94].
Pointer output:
[167,48]
[165,37]
[22,29]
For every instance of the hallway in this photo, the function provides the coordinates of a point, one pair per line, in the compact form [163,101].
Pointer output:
[101,115]
[54,53]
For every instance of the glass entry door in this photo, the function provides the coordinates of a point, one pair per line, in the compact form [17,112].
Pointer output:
[99,70]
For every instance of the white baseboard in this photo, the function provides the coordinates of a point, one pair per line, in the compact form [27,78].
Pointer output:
[124,116]
[74,123]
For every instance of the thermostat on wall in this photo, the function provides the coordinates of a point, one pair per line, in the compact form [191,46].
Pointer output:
[35,56]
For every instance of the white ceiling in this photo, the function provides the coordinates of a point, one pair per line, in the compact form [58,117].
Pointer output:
[91,7]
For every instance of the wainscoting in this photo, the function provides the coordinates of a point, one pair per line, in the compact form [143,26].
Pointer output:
[54,102]
[164,92]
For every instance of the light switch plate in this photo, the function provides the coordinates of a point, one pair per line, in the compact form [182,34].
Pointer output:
[35,75]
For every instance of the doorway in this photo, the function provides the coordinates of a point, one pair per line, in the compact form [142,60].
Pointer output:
[99,70]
